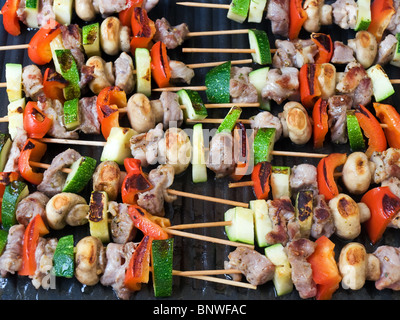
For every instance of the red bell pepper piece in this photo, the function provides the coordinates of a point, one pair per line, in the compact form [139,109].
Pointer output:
[36,124]
[31,151]
[297,17]
[160,69]
[325,47]
[325,174]
[139,265]
[372,129]
[324,268]
[142,220]
[5,179]
[381,14]
[35,229]
[388,115]
[125,15]
[53,85]
[143,29]
[39,50]
[135,181]
[243,157]
[10,18]
[261,179]
[310,91]
[384,205]
[320,118]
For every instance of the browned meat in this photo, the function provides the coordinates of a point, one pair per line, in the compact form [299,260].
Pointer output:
[108,7]
[153,200]
[173,114]
[394,25]
[144,146]
[389,258]
[87,75]
[44,262]
[240,88]
[386,50]
[11,259]
[278,14]
[298,251]
[172,37]
[180,72]
[16,147]
[338,106]
[322,218]
[345,13]
[294,53]
[30,206]
[124,77]
[304,177]
[32,81]
[266,119]
[72,40]
[118,257]
[53,178]
[387,164]
[284,225]
[342,54]
[282,84]
[257,268]
[46,12]
[107,178]
[122,228]
[90,123]
[220,158]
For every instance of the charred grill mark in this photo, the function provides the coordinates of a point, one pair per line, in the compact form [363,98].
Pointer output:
[96,207]
[390,205]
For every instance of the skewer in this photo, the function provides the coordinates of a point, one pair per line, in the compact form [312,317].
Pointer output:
[223,281]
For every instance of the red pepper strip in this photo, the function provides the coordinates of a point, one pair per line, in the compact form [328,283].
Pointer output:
[320,118]
[35,229]
[5,179]
[297,17]
[139,265]
[384,205]
[242,158]
[160,69]
[39,50]
[261,179]
[325,174]
[325,271]
[53,85]
[143,29]
[310,91]
[381,14]
[110,115]
[36,124]
[125,16]
[388,115]
[32,151]
[143,221]
[10,18]
[372,129]
[135,181]
[325,47]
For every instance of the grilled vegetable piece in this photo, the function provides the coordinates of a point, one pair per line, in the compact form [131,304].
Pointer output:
[91,39]
[162,252]
[230,120]
[396,58]
[262,221]
[194,106]
[242,226]
[63,11]
[256,10]
[218,83]
[13,194]
[283,271]
[280,182]
[81,172]
[264,144]
[31,11]
[66,66]
[258,78]
[354,132]
[3,240]
[15,116]
[5,146]
[71,114]
[238,10]
[14,81]
[304,212]
[199,168]
[63,259]
[98,216]
[117,147]
[258,40]
[143,71]
[381,85]
[363,15]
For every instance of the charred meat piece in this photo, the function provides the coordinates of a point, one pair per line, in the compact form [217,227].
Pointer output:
[11,259]
[122,228]
[257,268]
[278,14]
[180,72]
[323,224]
[32,81]
[298,251]
[90,123]
[342,54]
[337,108]
[171,36]
[240,88]
[72,40]
[285,226]
[282,84]
[220,158]
[118,257]
[386,164]
[389,258]
[53,178]
[294,53]
[304,177]
[30,206]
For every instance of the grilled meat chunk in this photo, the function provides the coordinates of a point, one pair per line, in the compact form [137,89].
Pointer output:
[122,228]
[389,258]
[220,158]
[278,14]
[30,206]
[32,81]
[240,88]
[171,36]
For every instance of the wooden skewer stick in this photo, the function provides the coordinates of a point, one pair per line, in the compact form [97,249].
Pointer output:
[201,225]
[217,50]
[204,5]
[217,32]
[205,272]
[214,64]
